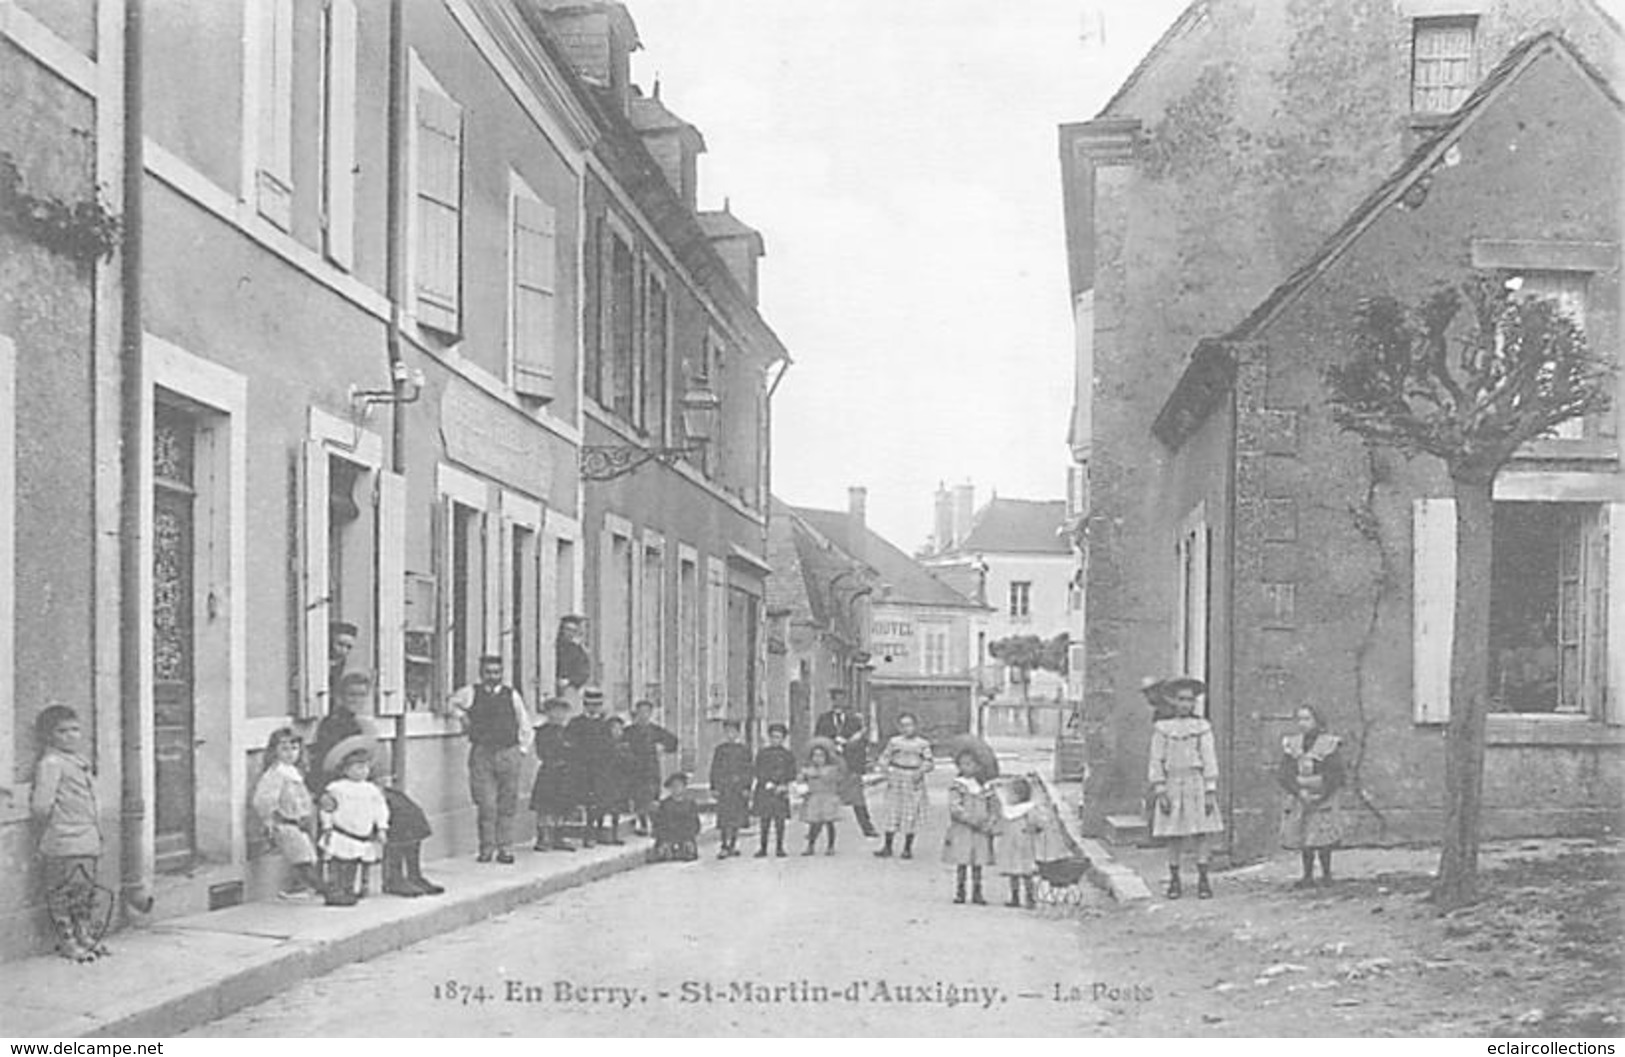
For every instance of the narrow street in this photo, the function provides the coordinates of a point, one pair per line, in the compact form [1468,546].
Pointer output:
[636,954]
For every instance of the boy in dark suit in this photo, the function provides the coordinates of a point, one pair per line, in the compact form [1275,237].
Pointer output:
[730,783]
[675,824]
[775,770]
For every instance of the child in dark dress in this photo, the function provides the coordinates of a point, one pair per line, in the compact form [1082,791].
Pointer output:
[675,824]
[553,796]
[775,771]
[730,784]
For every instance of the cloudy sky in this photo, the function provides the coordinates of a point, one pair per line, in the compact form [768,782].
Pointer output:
[899,156]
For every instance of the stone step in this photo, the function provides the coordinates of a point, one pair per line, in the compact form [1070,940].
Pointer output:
[1126,830]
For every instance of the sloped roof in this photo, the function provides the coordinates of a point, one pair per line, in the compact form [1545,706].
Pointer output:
[1193,396]
[1189,18]
[722,224]
[1022,526]
[1415,168]
[900,580]
[648,114]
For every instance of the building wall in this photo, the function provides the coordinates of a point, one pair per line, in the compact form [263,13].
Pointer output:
[1262,127]
[50,599]
[1048,614]
[1322,603]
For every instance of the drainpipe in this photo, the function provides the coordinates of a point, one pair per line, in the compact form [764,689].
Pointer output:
[135,885]
[394,236]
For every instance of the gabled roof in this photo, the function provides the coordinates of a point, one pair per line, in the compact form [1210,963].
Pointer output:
[1208,374]
[722,224]
[897,578]
[648,114]
[1188,19]
[1416,168]
[1018,526]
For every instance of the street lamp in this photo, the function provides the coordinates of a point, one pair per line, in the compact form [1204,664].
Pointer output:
[605,462]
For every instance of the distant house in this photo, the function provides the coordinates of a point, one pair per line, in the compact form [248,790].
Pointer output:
[1014,556]
[915,632]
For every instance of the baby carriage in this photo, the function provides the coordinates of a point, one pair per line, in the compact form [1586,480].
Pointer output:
[1061,882]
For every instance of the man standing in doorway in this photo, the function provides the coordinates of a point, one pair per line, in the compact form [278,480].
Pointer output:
[499,733]
[846,730]
[572,664]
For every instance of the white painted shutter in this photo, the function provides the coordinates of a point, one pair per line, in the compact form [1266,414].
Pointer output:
[716,633]
[1614,692]
[339,195]
[391,547]
[499,594]
[1196,648]
[493,537]
[439,211]
[315,603]
[450,680]
[534,281]
[1433,610]
[274,179]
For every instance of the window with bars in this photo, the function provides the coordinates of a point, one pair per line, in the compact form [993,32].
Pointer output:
[438,235]
[1443,63]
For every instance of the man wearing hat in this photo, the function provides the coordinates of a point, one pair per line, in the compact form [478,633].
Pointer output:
[499,734]
[572,664]
[845,728]
[592,762]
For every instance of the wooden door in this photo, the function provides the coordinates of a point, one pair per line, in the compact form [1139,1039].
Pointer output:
[173,639]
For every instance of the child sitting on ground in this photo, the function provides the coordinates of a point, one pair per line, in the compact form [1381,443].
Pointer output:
[70,843]
[676,824]
[285,809]
[354,818]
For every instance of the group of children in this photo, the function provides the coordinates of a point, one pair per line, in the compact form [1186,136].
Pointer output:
[997,822]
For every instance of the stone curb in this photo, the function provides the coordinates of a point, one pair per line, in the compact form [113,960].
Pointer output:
[246,984]
[1106,873]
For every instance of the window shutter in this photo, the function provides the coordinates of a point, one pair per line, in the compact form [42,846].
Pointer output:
[274,179]
[314,600]
[440,196]
[338,219]
[1433,601]
[716,659]
[391,594]
[446,520]
[1613,694]
[534,282]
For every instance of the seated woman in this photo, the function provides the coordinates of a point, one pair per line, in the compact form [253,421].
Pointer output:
[409,826]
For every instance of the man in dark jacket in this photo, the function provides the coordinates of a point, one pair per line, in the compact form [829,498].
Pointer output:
[846,730]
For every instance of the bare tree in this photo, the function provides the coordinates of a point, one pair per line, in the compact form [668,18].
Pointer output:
[1468,376]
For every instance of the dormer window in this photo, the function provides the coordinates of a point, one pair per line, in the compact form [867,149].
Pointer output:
[1444,64]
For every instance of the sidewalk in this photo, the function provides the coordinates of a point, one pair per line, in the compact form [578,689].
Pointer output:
[182,972]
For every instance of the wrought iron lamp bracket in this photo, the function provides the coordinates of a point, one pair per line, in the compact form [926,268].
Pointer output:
[606,462]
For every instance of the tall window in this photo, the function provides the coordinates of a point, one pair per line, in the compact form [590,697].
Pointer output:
[438,235]
[535,265]
[656,354]
[1443,64]
[653,597]
[467,575]
[620,329]
[936,648]
[1021,597]
[1567,291]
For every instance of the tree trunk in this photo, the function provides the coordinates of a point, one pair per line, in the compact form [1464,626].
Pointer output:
[1469,692]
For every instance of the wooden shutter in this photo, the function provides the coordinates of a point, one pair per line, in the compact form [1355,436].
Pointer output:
[274,178]
[1613,693]
[338,214]
[315,603]
[1433,587]
[439,212]
[391,548]
[716,633]
[534,282]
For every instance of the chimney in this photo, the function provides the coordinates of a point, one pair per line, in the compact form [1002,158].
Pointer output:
[599,37]
[857,516]
[674,144]
[964,511]
[942,522]
[738,244]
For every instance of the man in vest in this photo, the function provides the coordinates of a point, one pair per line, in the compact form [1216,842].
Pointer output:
[846,729]
[499,733]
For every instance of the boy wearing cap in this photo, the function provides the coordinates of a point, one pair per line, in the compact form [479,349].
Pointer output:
[354,818]
[775,770]
[592,762]
[499,734]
